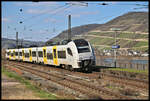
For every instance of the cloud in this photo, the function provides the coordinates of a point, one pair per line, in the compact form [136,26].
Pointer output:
[51,20]
[84,13]
[43,10]
[35,11]
[42,32]
[113,2]
[36,3]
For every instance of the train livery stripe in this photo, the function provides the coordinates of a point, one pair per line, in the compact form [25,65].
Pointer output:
[55,60]
[44,55]
[9,54]
[30,54]
[23,58]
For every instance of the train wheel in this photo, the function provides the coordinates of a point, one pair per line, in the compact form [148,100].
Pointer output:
[63,66]
[70,68]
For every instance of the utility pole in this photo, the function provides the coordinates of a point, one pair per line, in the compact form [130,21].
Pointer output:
[115,49]
[21,42]
[69,27]
[115,46]
[16,39]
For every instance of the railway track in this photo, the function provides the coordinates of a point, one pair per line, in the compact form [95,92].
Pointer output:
[82,87]
[123,80]
[142,84]
[55,79]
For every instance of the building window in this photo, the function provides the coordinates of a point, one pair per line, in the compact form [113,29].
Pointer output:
[40,54]
[69,51]
[61,54]
[49,56]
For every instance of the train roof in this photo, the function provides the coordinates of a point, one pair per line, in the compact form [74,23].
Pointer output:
[78,42]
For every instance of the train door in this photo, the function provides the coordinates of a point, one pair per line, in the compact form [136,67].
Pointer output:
[55,60]
[44,55]
[70,56]
[14,54]
[30,55]
[9,54]
[23,58]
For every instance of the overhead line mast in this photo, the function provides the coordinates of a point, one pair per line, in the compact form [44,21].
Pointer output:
[69,27]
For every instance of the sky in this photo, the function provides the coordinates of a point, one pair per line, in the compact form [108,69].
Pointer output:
[41,21]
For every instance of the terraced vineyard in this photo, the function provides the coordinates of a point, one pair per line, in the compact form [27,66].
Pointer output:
[104,40]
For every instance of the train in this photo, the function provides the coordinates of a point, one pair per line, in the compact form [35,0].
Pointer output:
[76,55]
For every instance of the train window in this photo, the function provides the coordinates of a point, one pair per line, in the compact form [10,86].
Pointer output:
[82,50]
[49,56]
[7,53]
[16,53]
[61,54]
[54,53]
[26,54]
[40,54]
[11,54]
[69,51]
[80,42]
[20,53]
[82,45]
[33,53]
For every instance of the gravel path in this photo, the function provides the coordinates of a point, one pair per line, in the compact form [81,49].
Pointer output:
[12,89]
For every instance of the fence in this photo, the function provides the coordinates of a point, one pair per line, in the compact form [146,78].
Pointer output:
[122,63]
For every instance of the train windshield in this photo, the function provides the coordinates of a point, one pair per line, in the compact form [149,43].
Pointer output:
[82,45]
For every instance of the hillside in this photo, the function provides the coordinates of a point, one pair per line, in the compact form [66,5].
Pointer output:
[83,29]
[11,43]
[133,35]
[132,21]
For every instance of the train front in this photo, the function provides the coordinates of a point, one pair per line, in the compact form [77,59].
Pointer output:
[86,57]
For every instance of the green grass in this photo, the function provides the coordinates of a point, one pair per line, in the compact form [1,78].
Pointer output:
[108,48]
[141,43]
[140,48]
[38,92]
[109,34]
[143,36]
[101,41]
[121,35]
[129,70]
[125,35]
[95,41]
